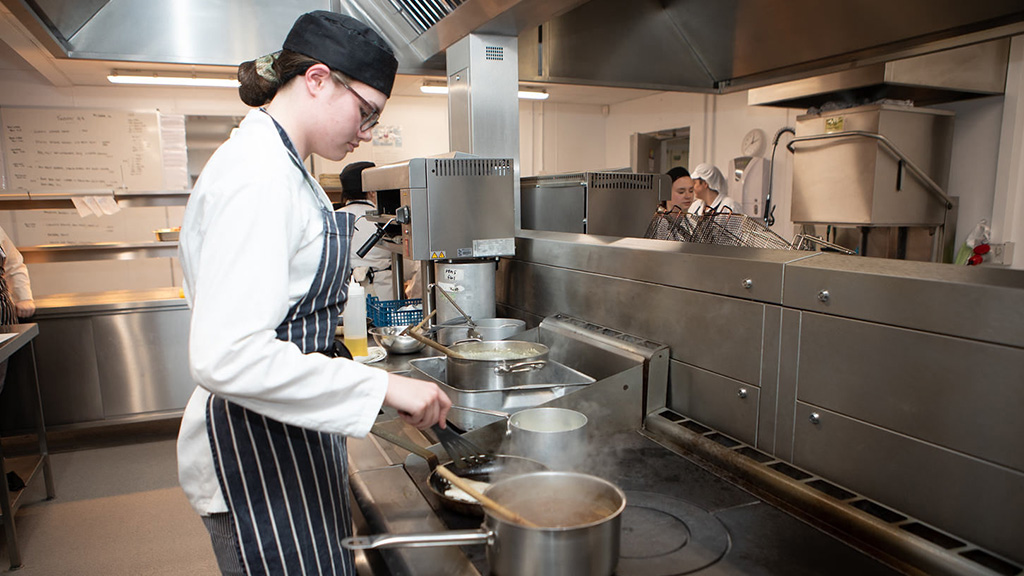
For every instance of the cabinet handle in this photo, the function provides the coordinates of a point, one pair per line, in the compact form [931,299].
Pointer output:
[748,283]
[823,296]
[742,393]
[815,418]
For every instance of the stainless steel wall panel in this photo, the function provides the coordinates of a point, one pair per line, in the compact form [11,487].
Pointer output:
[927,386]
[768,398]
[719,334]
[965,496]
[716,269]
[979,303]
[142,361]
[724,404]
[785,405]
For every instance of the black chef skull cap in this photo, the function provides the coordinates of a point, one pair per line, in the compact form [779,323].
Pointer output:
[352,176]
[677,173]
[346,45]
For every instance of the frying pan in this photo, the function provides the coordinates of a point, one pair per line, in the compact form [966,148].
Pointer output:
[500,466]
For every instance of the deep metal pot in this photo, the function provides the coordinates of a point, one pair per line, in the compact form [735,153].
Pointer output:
[555,437]
[494,365]
[579,518]
[486,329]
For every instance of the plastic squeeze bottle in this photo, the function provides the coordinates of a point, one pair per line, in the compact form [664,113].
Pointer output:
[354,320]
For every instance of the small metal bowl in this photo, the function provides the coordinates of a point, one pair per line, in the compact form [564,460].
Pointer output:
[167,234]
[388,338]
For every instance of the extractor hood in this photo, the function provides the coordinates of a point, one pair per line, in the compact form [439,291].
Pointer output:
[946,76]
[687,45]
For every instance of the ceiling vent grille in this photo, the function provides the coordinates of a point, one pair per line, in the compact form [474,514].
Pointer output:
[423,14]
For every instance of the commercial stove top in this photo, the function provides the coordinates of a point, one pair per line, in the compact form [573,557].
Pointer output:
[681,517]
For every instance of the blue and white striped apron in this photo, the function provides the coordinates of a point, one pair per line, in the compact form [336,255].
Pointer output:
[287,487]
[8,314]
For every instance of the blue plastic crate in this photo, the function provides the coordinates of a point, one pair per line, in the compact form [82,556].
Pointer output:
[386,312]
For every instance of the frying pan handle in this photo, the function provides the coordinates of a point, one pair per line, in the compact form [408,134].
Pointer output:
[430,457]
[520,367]
[450,538]
[497,413]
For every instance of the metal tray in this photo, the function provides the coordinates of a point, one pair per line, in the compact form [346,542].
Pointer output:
[553,381]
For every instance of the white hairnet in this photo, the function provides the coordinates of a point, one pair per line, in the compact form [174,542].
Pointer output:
[713,176]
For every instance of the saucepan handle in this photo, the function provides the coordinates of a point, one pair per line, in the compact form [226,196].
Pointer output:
[450,538]
[520,367]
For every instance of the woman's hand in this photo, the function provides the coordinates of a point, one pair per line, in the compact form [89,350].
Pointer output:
[25,308]
[419,402]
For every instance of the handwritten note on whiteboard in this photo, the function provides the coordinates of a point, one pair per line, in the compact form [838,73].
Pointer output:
[79,149]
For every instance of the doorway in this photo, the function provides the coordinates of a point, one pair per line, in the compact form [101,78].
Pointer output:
[658,152]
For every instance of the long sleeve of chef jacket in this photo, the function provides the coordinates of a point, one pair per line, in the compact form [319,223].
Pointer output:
[15,271]
[251,245]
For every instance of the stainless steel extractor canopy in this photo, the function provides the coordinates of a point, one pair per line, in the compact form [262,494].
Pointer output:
[689,45]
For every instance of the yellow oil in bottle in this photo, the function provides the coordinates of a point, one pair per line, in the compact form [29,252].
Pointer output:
[357,346]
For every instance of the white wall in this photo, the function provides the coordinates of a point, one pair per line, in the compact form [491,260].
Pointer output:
[422,122]
[563,138]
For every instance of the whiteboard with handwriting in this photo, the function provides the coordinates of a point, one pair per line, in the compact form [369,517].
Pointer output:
[79,149]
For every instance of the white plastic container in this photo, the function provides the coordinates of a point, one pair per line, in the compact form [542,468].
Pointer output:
[354,320]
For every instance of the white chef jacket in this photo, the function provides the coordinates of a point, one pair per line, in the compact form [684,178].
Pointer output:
[377,258]
[721,202]
[250,245]
[15,271]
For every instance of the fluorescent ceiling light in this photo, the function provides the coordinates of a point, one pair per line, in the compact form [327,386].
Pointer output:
[429,87]
[433,89]
[533,94]
[171,79]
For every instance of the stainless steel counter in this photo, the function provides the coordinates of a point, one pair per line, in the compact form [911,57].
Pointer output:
[109,356]
[111,301]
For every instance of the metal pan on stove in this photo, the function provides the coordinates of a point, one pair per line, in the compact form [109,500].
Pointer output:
[500,466]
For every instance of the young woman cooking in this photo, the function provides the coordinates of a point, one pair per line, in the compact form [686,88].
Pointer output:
[261,451]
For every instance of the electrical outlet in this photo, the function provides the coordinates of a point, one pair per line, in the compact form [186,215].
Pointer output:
[1001,254]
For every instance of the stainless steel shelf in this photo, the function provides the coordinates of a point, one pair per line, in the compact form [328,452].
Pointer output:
[98,251]
[61,199]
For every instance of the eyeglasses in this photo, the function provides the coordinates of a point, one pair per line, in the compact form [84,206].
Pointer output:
[367,119]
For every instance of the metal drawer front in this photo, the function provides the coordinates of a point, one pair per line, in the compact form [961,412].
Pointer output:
[958,393]
[981,502]
[719,402]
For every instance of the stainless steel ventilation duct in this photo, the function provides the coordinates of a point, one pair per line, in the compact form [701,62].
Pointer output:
[689,45]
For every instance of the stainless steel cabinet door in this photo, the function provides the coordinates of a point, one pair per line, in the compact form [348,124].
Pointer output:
[143,361]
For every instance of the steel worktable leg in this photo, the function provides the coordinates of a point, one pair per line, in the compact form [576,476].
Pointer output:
[5,507]
[44,451]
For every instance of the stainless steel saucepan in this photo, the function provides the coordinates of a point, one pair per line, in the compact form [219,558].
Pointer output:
[556,437]
[578,532]
[494,365]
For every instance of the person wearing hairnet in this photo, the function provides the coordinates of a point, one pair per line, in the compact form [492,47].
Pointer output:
[682,189]
[373,271]
[262,453]
[712,191]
